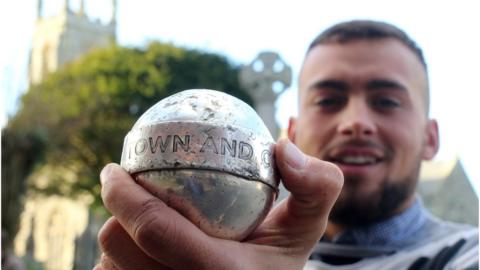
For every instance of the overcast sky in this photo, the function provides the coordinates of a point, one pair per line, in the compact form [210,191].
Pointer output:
[448,32]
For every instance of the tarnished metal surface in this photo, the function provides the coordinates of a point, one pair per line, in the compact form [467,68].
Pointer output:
[208,155]
[206,106]
[222,205]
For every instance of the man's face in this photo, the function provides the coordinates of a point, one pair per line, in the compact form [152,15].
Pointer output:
[362,106]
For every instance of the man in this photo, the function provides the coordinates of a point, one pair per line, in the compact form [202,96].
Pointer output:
[363,106]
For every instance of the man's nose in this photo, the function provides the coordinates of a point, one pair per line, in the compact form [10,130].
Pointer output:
[357,120]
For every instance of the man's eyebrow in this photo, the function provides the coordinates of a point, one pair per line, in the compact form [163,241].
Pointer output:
[330,85]
[379,84]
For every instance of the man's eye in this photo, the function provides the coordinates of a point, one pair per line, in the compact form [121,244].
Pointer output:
[329,102]
[385,103]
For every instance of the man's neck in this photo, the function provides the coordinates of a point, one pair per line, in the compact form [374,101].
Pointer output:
[334,229]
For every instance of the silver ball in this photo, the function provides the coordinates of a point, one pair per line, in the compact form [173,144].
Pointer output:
[209,156]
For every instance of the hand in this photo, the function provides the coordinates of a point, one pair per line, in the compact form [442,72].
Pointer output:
[144,233]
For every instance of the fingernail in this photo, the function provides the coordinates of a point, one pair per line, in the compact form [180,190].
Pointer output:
[294,157]
[105,173]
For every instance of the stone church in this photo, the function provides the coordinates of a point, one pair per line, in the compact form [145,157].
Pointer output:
[66,36]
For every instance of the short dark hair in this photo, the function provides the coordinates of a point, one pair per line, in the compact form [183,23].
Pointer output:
[366,29]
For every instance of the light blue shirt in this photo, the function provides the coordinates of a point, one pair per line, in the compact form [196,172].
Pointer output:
[396,243]
[391,233]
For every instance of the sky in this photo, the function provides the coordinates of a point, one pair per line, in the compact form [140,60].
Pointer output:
[447,31]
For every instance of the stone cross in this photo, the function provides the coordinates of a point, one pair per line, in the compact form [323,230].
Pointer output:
[265,79]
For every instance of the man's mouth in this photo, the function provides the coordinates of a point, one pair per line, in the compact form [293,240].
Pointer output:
[356,156]
[356,160]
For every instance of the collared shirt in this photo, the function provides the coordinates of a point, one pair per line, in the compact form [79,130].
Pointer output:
[390,232]
[395,243]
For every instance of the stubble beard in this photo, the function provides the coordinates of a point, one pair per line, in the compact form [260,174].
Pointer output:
[356,209]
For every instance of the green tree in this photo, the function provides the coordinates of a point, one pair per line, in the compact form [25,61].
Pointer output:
[79,116]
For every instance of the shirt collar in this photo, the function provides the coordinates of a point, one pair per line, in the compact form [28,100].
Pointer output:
[388,232]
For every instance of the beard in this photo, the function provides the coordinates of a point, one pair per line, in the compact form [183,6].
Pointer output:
[355,208]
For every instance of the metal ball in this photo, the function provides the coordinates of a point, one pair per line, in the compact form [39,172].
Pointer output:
[209,156]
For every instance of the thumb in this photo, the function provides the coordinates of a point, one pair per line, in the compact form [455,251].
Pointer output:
[314,186]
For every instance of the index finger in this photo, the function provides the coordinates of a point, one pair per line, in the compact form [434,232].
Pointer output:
[159,230]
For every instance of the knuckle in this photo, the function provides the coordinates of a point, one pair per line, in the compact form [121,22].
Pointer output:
[107,263]
[148,228]
[106,238]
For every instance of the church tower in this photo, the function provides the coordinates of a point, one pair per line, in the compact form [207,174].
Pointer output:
[66,36]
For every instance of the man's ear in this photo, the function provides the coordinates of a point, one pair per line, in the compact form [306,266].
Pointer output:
[432,142]
[292,128]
